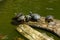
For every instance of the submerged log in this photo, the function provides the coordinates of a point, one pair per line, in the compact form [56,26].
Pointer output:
[31,33]
[55,28]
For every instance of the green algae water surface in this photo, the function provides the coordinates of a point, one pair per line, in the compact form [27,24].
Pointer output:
[9,7]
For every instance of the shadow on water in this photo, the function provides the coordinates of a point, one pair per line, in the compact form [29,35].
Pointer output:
[15,22]
[45,30]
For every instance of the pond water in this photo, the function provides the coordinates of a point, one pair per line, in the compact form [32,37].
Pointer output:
[9,7]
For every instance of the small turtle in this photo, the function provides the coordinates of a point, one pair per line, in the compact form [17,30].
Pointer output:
[49,18]
[28,18]
[21,18]
[35,16]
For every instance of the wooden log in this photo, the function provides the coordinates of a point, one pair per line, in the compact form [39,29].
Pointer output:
[55,28]
[31,33]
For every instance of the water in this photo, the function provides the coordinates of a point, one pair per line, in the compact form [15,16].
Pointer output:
[9,7]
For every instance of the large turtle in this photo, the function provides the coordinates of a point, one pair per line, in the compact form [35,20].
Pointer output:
[35,16]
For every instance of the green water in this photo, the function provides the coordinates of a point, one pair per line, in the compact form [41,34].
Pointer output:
[9,7]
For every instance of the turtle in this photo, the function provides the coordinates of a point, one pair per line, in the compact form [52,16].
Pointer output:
[35,16]
[21,19]
[28,18]
[49,18]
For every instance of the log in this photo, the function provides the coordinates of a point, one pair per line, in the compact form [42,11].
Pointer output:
[32,34]
[55,28]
